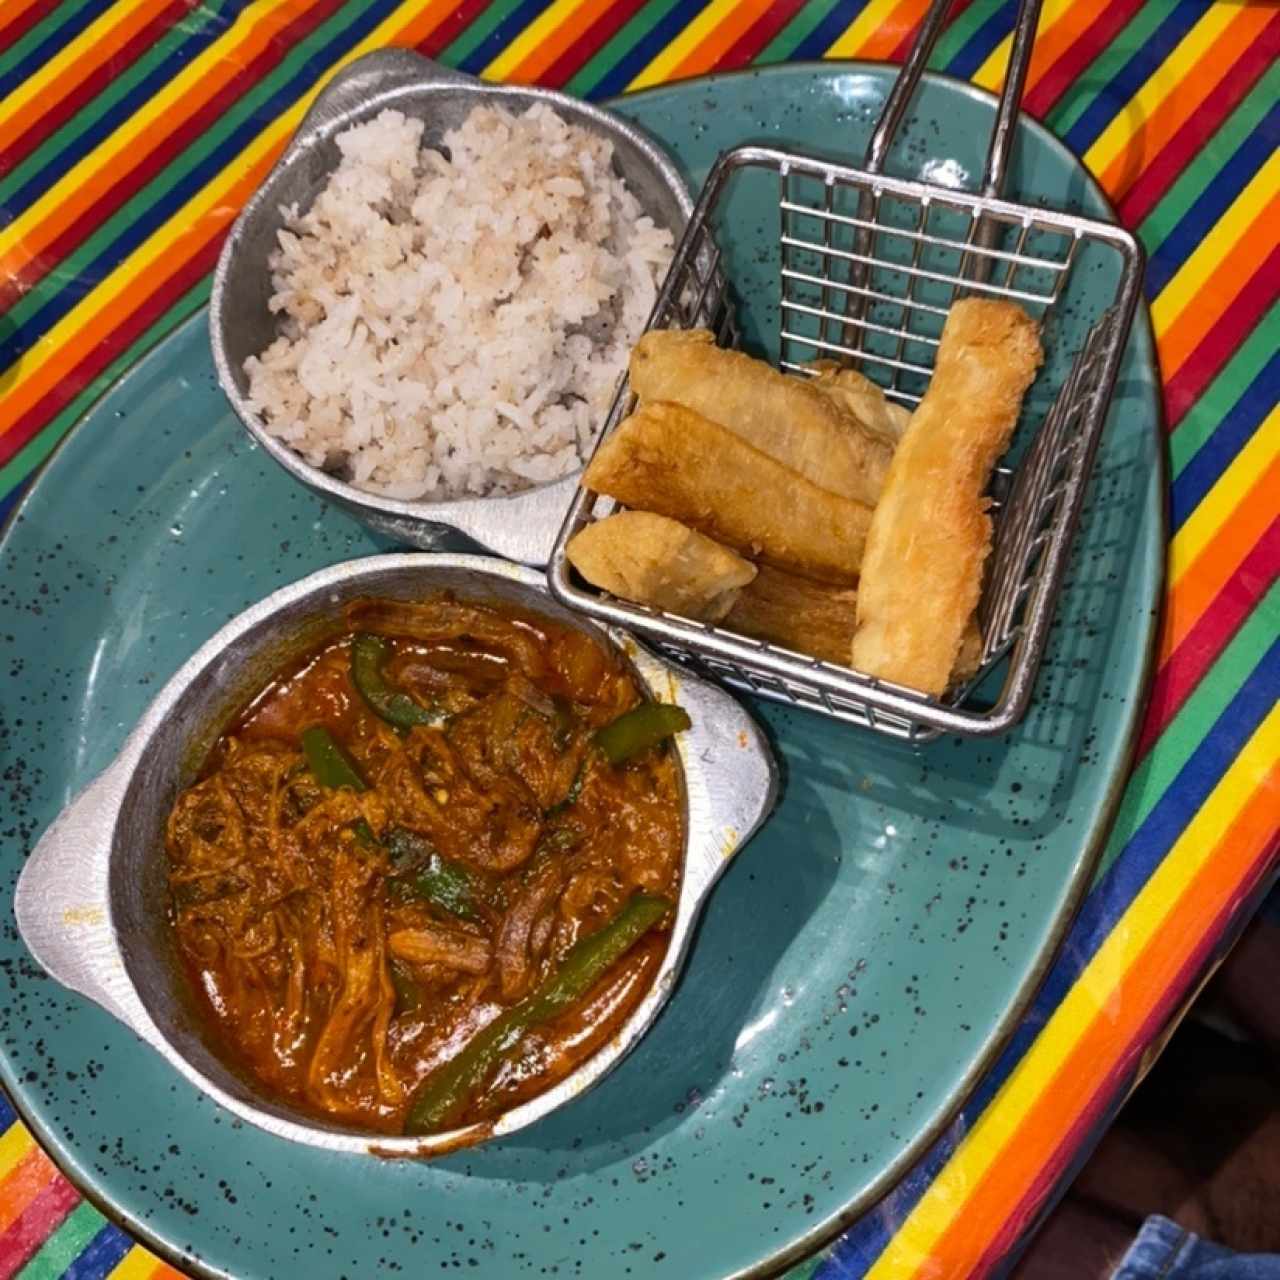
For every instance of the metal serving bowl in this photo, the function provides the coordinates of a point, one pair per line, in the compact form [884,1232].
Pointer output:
[91,902]
[521,526]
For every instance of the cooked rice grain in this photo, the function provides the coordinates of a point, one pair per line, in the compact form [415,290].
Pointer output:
[454,324]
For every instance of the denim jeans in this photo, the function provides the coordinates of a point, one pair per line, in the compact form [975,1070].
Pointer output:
[1165,1251]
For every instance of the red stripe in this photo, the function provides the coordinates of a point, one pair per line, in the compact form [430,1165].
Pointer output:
[122,335]
[1055,81]
[576,56]
[1201,646]
[1168,163]
[19,27]
[747,46]
[1237,321]
[1086,1127]
[56,113]
[35,1224]
[184,132]
[458,20]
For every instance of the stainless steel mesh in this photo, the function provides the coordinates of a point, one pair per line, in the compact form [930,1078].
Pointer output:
[867,267]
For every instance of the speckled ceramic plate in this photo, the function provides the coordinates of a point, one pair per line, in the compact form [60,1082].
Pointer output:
[857,968]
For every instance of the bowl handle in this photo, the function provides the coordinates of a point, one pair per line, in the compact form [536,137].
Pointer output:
[61,901]
[742,770]
[376,71]
[730,774]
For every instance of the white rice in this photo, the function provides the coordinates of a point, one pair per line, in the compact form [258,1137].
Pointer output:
[456,326]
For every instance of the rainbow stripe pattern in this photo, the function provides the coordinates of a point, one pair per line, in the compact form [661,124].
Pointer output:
[131,132]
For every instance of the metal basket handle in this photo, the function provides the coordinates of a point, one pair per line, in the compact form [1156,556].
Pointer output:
[984,232]
[904,88]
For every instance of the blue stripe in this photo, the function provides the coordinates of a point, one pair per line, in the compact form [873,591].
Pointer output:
[110,120]
[828,31]
[644,50]
[52,44]
[99,1257]
[502,35]
[1217,453]
[7,1113]
[1143,852]
[983,41]
[150,208]
[7,503]
[1130,78]
[1213,202]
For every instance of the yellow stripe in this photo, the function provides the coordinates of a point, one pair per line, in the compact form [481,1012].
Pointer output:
[137,1264]
[1225,497]
[15,1142]
[1196,271]
[531,37]
[1164,81]
[116,144]
[35,84]
[1089,996]
[198,207]
[991,74]
[861,29]
[661,67]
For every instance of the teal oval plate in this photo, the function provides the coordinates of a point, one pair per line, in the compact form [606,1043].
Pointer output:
[857,968]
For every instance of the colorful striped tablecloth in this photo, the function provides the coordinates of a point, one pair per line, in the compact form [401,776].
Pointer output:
[131,132]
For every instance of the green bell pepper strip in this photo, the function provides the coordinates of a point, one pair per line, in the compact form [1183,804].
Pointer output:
[329,762]
[571,796]
[435,878]
[408,992]
[369,654]
[639,729]
[448,1087]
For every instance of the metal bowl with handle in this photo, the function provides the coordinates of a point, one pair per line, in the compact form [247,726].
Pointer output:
[520,526]
[91,903]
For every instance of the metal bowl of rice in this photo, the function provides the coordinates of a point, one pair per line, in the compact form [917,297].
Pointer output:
[423,312]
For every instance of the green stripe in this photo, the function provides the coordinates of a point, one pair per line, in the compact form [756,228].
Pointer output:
[76,263]
[121,85]
[1184,733]
[589,75]
[961,31]
[39,34]
[469,40]
[1205,416]
[783,46]
[1094,79]
[1203,169]
[19,468]
[60,1249]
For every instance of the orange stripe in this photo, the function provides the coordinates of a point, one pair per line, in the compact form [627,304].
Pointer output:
[1196,590]
[163,1270]
[1185,99]
[254,41]
[884,42]
[1202,312]
[535,64]
[26,1180]
[1111,1031]
[416,30]
[720,39]
[14,125]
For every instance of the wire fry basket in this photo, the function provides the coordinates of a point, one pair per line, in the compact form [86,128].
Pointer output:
[866,268]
